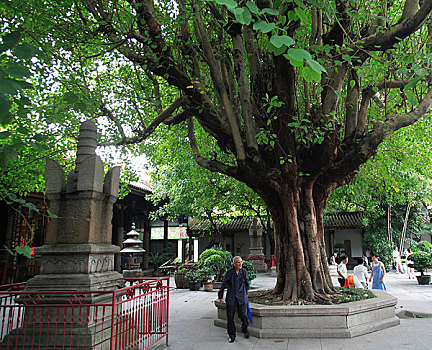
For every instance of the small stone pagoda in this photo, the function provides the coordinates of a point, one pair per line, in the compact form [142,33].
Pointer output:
[78,254]
[132,249]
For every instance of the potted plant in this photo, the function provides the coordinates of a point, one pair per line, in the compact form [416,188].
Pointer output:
[219,261]
[421,262]
[194,281]
[180,277]
[205,274]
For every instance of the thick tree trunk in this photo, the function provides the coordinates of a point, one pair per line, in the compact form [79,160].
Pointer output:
[302,269]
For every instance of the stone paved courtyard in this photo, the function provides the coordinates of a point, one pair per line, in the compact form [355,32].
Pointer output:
[192,315]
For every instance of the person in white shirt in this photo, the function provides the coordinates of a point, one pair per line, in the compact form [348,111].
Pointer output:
[397,260]
[333,259]
[360,275]
[342,270]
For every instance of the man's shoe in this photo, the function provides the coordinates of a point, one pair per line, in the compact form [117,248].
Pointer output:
[246,334]
[231,340]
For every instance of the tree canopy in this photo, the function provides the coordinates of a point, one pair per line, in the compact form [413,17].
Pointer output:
[294,95]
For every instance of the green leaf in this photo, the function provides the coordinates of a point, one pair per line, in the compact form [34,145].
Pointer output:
[302,15]
[300,4]
[9,250]
[264,26]
[412,84]
[41,146]
[243,15]
[310,75]
[17,70]
[4,104]
[293,62]
[80,107]
[276,50]
[31,206]
[352,83]
[24,84]
[280,40]
[40,137]
[26,251]
[9,86]
[51,215]
[299,54]
[25,51]
[10,40]
[270,11]
[316,66]
[6,119]
[252,7]
[4,135]
[8,154]
[292,15]
[70,97]
[231,4]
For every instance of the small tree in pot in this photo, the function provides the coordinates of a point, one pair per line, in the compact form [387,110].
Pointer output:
[421,261]
[218,260]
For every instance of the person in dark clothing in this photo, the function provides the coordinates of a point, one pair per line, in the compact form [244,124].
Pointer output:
[236,281]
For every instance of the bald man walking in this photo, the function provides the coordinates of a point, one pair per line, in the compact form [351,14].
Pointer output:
[236,281]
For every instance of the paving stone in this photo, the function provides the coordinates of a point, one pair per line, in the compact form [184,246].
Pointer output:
[192,315]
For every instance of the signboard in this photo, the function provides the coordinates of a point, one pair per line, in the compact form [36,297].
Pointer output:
[173,233]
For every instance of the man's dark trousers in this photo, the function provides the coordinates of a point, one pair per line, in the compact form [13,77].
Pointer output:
[241,312]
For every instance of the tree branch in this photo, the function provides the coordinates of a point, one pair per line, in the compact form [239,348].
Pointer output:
[216,75]
[212,165]
[244,93]
[384,41]
[351,104]
[369,93]
[153,125]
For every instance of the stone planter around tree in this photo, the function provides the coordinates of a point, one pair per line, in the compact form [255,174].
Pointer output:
[319,321]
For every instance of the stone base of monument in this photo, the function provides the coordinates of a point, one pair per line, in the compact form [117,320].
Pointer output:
[319,321]
[58,320]
[83,266]
[257,259]
[77,338]
[136,273]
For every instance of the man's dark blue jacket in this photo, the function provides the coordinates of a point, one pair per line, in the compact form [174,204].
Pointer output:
[237,286]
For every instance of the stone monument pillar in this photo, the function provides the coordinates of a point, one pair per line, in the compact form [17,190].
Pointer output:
[256,255]
[78,254]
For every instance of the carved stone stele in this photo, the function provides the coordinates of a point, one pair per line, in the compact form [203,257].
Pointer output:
[77,253]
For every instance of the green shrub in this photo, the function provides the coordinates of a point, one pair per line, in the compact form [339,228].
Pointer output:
[252,273]
[206,253]
[218,260]
[202,274]
[421,261]
[422,246]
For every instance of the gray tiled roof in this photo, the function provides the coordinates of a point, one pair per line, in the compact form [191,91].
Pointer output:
[343,220]
[233,225]
[331,221]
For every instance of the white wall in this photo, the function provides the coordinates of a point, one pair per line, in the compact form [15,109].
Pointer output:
[354,235]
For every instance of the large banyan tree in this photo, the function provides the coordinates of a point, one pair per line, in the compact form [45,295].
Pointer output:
[297,94]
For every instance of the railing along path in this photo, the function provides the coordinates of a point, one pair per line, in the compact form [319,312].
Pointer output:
[134,317]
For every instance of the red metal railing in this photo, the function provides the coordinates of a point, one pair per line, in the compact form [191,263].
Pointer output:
[11,273]
[134,317]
